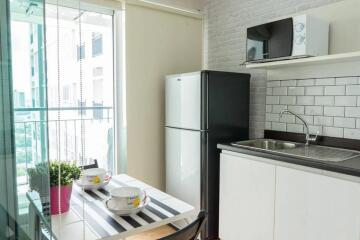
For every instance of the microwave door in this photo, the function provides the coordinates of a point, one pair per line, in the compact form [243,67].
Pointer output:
[280,43]
[257,37]
[270,40]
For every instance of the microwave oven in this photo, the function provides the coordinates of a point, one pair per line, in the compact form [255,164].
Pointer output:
[293,37]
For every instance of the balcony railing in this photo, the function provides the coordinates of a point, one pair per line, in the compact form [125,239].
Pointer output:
[66,138]
[41,109]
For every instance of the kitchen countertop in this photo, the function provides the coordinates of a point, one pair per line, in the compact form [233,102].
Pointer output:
[349,167]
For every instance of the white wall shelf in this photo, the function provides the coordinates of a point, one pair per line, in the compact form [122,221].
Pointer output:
[334,58]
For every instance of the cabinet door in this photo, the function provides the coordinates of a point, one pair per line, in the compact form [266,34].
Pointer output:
[310,206]
[247,190]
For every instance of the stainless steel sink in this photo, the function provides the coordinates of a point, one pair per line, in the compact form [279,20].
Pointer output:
[266,144]
[313,152]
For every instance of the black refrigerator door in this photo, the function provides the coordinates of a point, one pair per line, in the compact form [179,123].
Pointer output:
[225,101]
[210,174]
[225,116]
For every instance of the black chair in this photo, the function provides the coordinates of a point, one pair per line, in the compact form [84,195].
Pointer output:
[191,231]
[94,165]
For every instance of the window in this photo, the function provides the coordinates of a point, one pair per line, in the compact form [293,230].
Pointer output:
[80,52]
[98,110]
[21,99]
[66,93]
[32,63]
[98,86]
[97,47]
[98,98]
[98,71]
[86,89]
[81,105]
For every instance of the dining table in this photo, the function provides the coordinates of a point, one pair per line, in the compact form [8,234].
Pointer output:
[88,218]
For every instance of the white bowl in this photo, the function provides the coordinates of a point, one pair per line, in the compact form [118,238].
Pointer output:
[126,212]
[126,197]
[95,176]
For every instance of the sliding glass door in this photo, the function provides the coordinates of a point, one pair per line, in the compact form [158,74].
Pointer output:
[80,54]
[80,80]
[8,206]
[56,103]
[24,172]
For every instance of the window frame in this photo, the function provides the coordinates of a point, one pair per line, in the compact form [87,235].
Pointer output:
[97,37]
[116,10]
[80,51]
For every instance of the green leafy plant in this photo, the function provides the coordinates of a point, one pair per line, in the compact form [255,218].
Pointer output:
[41,172]
[40,169]
[68,173]
[39,178]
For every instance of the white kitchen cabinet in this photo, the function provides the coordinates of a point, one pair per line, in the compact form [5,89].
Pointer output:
[247,191]
[311,206]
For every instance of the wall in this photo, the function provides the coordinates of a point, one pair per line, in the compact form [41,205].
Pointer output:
[192,5]
[225,28]
[186,4]
[158,43]
[330,105]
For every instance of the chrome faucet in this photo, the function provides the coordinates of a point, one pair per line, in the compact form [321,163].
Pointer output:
[309,138]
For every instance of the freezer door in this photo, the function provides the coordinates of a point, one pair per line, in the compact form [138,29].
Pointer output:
[183,101]
[183,165]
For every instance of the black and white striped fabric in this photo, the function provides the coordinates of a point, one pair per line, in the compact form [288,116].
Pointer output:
[163,209]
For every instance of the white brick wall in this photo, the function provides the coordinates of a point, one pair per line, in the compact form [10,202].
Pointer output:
[333,110]
[224,49]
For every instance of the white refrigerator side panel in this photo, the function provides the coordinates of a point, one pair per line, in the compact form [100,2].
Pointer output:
[183,165]
[183,101]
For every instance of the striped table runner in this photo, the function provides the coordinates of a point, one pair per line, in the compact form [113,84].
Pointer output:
[163,209]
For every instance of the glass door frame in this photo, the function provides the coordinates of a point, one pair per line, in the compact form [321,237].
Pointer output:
[8,200]
[116,10]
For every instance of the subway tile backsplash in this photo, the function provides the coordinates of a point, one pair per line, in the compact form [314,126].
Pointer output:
[330,105]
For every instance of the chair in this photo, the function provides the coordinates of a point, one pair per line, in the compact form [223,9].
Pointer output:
[191,231]
[94,165]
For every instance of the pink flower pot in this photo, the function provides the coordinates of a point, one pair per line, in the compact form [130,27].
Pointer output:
[60,199]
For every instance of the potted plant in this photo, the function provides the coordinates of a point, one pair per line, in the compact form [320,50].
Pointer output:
[62,175]
[39,180]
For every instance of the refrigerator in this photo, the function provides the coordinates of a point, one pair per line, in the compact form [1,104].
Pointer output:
[202,109]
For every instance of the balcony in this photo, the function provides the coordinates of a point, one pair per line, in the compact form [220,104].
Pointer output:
[67,128]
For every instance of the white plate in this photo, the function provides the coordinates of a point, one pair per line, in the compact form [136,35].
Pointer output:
[92,186]
[126,212]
